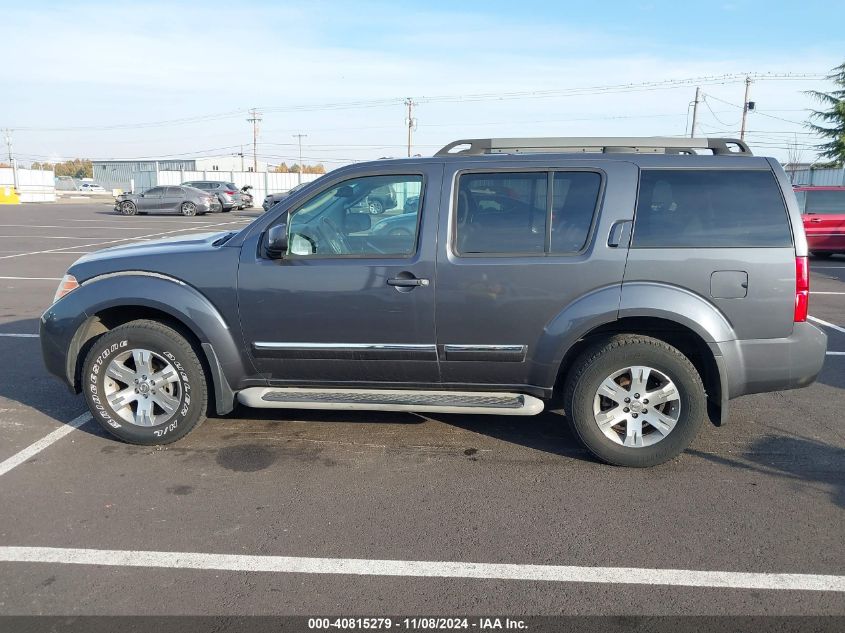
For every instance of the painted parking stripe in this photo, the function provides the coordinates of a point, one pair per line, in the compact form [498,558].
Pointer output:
[18,335]
[816,292]
[835,353]
[33,449]
[34,278]
[425,569]
[116,241]
[826,324]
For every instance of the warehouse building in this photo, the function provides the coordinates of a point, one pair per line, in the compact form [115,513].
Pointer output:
[141,174]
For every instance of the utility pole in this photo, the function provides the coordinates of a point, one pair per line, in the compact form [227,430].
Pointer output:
[695,111]
[412,122]
[241,154]
[8,134]
[299,137]
[255,119]
[746,106]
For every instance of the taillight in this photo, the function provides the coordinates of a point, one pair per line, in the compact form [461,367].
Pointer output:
[802,289]
[231,193]
[68,284]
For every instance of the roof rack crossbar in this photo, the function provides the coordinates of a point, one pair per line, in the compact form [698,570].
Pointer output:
[625,144]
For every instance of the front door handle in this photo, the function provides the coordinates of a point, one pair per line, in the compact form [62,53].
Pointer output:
[400,282]
[816,220]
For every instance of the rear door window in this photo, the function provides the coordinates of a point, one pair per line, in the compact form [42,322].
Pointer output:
[700,208]
[574,198]
[502,212]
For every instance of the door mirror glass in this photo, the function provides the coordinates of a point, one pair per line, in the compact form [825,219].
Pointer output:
[277,241]
[301,245]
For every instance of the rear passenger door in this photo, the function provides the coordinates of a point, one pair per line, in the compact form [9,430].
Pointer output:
[520,244]
[723,234]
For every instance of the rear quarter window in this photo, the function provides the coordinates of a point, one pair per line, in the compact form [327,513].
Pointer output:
[710,208]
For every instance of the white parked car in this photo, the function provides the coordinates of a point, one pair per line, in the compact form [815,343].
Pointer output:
[91,187]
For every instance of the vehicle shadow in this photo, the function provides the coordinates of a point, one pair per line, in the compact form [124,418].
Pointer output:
[548,432]
[803,460]
[25,380]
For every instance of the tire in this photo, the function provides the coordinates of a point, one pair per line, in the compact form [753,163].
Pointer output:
[376,207]
[684,401]
[821,255]
[170,407]
[188,209]
[128,208]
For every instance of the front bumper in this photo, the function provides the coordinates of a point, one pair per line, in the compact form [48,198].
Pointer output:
[761,365]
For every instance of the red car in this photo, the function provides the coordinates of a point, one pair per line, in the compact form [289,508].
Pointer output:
[823,212]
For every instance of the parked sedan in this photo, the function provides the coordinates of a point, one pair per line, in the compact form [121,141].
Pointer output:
[227,193]
[272,198]
[823,213]
[184,200]
[91,187]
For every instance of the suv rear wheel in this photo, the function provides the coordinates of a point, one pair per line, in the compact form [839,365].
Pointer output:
[634,400]
[144,383]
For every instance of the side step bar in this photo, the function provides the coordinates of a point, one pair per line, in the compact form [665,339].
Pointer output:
[478,402]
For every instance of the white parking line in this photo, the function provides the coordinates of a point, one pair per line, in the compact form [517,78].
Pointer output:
[124,239]
[815,292]
[826,324]
[16,335]
[45,237]
[35,278]
[835,353]
[425,569]
[33,449]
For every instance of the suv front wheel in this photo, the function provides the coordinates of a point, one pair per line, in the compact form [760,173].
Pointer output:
[634,400]
[144,383]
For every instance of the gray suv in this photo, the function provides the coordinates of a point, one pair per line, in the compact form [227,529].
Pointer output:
[227,193]
[643,283]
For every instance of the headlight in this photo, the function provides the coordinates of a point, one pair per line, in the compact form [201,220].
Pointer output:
[67,285]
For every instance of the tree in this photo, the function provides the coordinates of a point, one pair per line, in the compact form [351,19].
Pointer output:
[282,169]
[832,120]
[4,165]
[76,168]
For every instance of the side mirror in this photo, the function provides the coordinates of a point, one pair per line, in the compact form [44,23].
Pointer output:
[357,222]
[277,241]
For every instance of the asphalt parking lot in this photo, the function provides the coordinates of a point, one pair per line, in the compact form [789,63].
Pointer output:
[530,522]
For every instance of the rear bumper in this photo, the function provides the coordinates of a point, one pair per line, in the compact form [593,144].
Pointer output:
[760,365]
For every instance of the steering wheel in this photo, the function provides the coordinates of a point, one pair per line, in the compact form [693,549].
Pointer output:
[338,242]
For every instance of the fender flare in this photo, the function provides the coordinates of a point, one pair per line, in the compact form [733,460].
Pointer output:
[182,302]
[633,299]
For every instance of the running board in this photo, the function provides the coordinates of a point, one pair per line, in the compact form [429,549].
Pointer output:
[483,402]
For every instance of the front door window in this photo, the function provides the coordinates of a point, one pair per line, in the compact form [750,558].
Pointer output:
[373,216]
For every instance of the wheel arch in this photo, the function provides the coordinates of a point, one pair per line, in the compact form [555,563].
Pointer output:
[689,342]
[168,301]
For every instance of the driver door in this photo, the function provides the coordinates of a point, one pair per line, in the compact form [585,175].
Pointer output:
[151,199]
[351,302]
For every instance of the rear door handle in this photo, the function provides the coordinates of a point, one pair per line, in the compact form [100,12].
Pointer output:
[620,234]
[400,282]
[815,220]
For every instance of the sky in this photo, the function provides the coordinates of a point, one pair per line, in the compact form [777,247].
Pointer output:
[175,79]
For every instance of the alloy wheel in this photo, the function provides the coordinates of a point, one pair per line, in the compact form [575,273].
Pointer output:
[637,406]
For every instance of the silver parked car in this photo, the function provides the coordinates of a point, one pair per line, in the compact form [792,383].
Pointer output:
[184,200]
[227,193]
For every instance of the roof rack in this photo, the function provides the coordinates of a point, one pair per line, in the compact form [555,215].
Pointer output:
[607,145]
